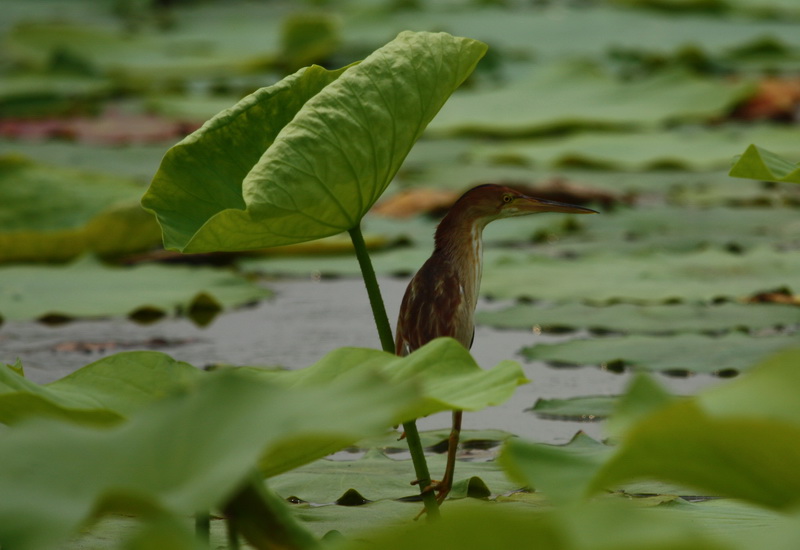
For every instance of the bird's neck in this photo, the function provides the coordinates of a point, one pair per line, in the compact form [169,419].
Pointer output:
[459,241]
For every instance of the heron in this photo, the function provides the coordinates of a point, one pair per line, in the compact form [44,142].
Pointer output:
[440,300]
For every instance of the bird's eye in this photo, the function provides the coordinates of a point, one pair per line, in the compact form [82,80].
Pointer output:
[507,198]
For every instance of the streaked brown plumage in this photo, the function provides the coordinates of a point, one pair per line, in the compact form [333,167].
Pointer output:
[440,299]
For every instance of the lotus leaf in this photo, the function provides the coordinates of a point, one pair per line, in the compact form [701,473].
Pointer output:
[307,157]
[176,456]
[103,392]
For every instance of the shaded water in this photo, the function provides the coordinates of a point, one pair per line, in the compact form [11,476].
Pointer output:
[303,321]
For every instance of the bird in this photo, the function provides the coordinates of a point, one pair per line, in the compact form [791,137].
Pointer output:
[440,299]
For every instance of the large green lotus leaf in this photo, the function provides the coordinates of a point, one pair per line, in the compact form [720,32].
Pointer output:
[562,472]
[760,164]
[686,352]
[185,453]
[735,455]
[589,526]
[582,95]
[446,373]
[103,392]
[733,524]
[766,392]
[50,213]
[689,149]
[637,319]
[307,157]
[645,278]
[738,440]
[87,288]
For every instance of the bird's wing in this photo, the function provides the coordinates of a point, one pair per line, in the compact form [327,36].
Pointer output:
[434,305]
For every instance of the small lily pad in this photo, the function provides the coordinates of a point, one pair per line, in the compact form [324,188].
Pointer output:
[585,409]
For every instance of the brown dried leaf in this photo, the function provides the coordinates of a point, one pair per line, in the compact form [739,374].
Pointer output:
[774,99]
[412,202]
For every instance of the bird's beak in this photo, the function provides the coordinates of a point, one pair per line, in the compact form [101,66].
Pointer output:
[530,204]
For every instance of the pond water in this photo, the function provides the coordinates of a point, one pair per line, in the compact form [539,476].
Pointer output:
[303,321]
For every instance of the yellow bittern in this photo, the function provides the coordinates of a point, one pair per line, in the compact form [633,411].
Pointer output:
[440,299]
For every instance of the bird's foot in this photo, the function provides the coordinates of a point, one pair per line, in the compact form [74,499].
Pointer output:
[441,488]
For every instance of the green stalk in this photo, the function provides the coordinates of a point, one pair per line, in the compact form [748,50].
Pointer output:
[387,342]
[373,290]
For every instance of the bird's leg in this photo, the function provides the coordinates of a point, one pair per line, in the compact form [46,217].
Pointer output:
[443,487]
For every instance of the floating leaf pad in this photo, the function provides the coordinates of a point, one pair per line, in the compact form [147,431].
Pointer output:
[87,288]
[569,95]
[379,477]
[683,353]
[686,149]
[49,213]
[645,278]
[587,408]
[636,319]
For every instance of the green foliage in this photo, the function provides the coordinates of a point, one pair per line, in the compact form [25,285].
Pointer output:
[93,443]
[84,446]
[185,453]
[590,526]
[709,442]
[307,157]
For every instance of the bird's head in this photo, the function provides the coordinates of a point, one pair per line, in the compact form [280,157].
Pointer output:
[493,202]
